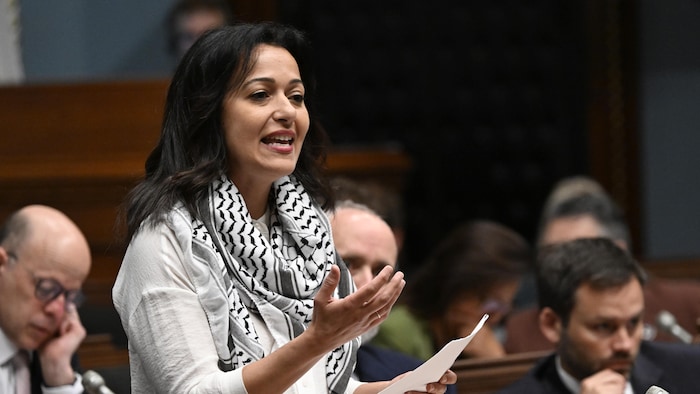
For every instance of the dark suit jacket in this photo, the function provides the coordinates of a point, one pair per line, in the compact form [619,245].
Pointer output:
[672,366]
[378,364]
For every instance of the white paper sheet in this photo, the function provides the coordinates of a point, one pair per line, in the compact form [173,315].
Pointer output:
[433,369]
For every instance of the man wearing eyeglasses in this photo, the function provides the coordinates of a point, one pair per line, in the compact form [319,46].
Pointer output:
[367,244]
[44,259]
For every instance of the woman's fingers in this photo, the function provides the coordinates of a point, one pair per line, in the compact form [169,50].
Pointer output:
[381,292]
[440,386]
[394,291]
[325,293]
[448,377]
[351,316]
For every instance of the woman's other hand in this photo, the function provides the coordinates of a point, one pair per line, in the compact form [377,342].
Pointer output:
[439,387]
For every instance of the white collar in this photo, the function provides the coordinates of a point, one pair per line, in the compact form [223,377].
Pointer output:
[263,224]
[569,381]
[7,348]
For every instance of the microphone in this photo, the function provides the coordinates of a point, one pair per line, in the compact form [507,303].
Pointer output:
[93,383]
[667,322]
[656,390]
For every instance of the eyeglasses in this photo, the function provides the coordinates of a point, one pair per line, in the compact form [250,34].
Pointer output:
[48,289]
[493,306]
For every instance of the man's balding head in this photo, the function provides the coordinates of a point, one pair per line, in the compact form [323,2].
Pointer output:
[364,241]
[38,243]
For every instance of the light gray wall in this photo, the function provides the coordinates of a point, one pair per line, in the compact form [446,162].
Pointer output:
[71,40]
[670,127]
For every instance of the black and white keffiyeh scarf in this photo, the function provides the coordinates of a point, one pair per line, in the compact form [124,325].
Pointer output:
[276,279]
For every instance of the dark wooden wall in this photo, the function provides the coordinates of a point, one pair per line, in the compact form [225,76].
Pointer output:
[79,148]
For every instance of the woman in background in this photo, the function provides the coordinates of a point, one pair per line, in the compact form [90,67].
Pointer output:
[475,270]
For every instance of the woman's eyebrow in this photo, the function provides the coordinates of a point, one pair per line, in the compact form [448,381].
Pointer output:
[294,81]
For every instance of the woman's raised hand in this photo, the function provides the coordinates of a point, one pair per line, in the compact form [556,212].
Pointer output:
[340,320]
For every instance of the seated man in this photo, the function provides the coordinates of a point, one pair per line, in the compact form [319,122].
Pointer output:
[591,309]
[44,260]
[578,207]
[366,244]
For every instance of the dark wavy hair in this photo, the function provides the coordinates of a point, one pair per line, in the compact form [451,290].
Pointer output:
[191,151]
[475,257]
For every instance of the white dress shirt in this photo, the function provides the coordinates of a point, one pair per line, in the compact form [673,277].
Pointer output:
[7,371]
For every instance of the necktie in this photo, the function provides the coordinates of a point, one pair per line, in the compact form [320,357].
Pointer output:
[21,363]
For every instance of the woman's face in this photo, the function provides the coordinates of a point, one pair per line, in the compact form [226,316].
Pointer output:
[265,120]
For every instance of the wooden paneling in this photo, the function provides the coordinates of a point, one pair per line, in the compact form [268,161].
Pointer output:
[78,131]
[611,105]
[98,351]
[485,376]
[384,166]
[79,148]
[674,269]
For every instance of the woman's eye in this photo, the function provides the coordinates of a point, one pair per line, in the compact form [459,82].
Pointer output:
[259,95]
[297,98]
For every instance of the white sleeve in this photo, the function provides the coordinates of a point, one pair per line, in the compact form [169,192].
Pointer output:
[171,348]
[75,388]
[353,384]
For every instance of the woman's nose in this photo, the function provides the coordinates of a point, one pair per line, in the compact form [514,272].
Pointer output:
[284,110]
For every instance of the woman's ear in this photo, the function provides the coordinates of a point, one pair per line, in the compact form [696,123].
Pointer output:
[550,325]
